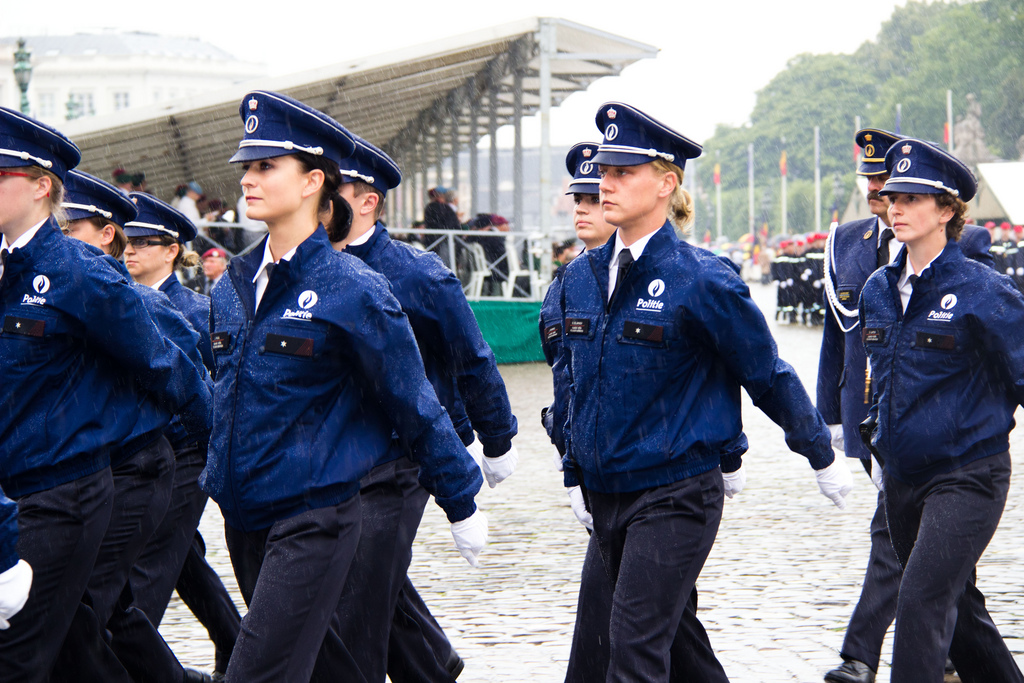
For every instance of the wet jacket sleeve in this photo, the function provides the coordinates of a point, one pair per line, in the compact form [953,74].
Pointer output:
[737,330]
[119,323]
[1002,332]
[470,361]
[570,477]
[8,533]
[551,343]
[831,362]
[384,344]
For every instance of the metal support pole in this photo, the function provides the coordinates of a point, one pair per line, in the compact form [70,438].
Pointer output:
[750,188]
[817,179]
[548,47]
[438,154]
[474,141]
[453,113]
[949,119]
[718,198]
[492,131]
[518,219]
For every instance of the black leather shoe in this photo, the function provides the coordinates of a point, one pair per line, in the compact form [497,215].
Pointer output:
[217,677]
[193,676]
[454,665]
[851,671]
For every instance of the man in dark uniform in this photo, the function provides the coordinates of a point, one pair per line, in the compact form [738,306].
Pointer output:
[853,252]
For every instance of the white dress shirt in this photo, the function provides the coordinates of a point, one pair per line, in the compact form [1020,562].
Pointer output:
[262,279]
[636,249]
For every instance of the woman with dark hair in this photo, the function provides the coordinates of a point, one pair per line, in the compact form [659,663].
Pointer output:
[316,368]
[944,339]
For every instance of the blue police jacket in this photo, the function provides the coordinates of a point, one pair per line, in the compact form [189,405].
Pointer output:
[949,372]
[196,309]
[842,395]
[8,532]
[152,417]
[75,334]
[551,343]
[455,356]
[309,387]
[655,375]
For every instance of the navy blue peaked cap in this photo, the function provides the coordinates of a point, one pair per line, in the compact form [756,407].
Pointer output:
[875,142]
[159,219]
[920,167]
[27,142]
[372,166]
[86,196]
[631,138]
[580,164]
[277,125]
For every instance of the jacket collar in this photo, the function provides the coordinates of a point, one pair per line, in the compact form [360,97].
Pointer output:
[372,246]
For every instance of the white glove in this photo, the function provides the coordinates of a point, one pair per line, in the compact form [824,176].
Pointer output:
[835,482]
[497,470]
[471,536]
[476,451]
[15,584]
[838,442]
[557,457]
[579,508]
[734,481]
[876,474]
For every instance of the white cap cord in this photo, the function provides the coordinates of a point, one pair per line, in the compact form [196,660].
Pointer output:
[283,144]
[151,226]
[626,149]
[91,208]
[25,156]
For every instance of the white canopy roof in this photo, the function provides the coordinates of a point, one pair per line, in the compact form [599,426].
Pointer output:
[1005,181]
[400,101]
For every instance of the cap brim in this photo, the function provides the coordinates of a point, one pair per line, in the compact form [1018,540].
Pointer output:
[909,188]
[79,214]
[621,159]
[584,188]
[256,153]
[8,161]
[867,168]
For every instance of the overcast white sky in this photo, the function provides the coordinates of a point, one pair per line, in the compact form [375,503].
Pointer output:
[715,54]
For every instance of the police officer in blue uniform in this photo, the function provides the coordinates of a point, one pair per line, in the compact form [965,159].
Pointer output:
[658,337]
[943,335]
[72,327]
[458,362]
[853,252]
[143,470]
[589,658]
[316,365]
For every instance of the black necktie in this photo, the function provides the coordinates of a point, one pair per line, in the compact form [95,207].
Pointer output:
[912,279]
[625,263]
[270,270]
[883,248]
[3,260]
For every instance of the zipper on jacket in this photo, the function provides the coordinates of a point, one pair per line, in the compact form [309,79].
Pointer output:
[243,337]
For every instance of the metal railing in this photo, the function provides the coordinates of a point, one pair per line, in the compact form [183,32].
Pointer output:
[490,264]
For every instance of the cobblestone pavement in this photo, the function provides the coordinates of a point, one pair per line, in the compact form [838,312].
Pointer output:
[775,594]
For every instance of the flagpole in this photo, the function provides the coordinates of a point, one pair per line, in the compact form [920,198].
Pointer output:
[856,147]
[750,184]
[949,121]
[718,194]
[817,179]
[784,169]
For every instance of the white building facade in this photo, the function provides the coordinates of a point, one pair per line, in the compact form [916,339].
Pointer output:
[98,74]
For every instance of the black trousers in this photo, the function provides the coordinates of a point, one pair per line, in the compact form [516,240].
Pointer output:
[59,534]
[939,531]
[876,607]
[142,489]
[418,649]
[392,503]
[291,576]
[588,659]
[654,544]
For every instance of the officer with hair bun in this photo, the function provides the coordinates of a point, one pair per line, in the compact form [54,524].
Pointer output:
[462,370]
[316,368]
[72,327]
[944,337]
[658,337]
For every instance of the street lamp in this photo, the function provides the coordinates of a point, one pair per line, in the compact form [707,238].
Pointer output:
[23,73]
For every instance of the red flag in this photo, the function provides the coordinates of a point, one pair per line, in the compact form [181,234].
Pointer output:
[856,152]
[945,133]
[718,174]
[782,163]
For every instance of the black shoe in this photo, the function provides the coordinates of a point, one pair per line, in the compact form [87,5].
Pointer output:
[217,677]
[454,665]
[951,674]
[851,671]
[193,676]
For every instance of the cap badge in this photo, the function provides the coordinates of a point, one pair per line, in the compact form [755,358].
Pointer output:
[869,151]
[903,165]
[867,137]
[587,152]
[611,132]
[586,167]
[253,104]
[612,113]
[251,124]
[906,149]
